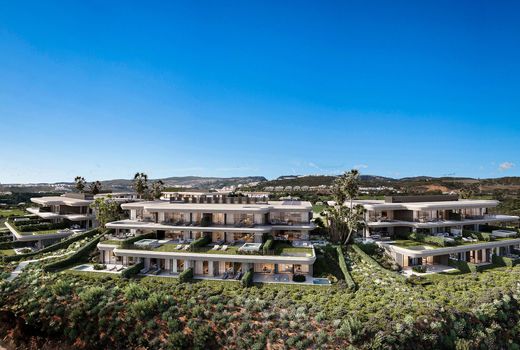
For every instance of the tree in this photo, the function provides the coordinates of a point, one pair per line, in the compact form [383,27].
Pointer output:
[80,183]
[106,210]
[469,190]
[343,220]
[140,183]
[157,189]
[95,187]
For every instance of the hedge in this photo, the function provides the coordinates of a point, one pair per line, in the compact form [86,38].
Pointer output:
[186,275]
[200,242]
[481,236]
[13,244]
[268,245]
[247,279]
[463,266]
[132,270]
[504,261]
[41,226]
[74,257]
[343,265]
[368,259]
[60,245]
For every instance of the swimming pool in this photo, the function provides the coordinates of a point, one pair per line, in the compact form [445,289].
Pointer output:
[323,281]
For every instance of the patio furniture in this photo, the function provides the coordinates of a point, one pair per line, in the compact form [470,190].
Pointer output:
[186,247]
[224,247]
[179,247]
[120,268]
[215,247]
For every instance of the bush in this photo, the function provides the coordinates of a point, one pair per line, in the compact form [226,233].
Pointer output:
[367,258]
[504,261]
[419,268]
[73,258]
[186,275]
[247,279]
[343,266]
[132,270]
[299,278]
[268,245]
[201,242]
[463,266]
[41,226]
[481,236]
[369,247]
[99,266]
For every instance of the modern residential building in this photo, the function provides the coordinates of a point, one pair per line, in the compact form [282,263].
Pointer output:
[73,207]
[218,237]
[464,230]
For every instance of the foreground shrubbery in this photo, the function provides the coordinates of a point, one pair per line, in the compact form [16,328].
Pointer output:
[478,310]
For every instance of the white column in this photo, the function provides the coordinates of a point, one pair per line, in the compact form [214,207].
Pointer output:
[174,266]
[210,268]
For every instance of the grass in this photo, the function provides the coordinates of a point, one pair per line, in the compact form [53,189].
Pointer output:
[7,252]
[408,243]
[287,249]
[11,212]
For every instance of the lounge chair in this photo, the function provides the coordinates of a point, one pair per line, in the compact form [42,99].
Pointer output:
[145,270]
[112,268]
[225,276]
[120,268]
[224,247]
[215,247]
[186,247]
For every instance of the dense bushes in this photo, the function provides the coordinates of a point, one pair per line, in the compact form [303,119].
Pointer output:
[344,269]
[201,242]
[481,236]
[247,279]
[74,257]
[419,268]
[186,275]
[132,270]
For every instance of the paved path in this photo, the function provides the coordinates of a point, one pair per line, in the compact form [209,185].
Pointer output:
[19,269]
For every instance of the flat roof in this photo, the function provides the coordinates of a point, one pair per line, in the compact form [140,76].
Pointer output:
[61,200]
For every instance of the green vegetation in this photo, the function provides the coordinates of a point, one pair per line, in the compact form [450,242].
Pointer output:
[5,213]
[7,252]
[186,275]
[247,279]
[78,256]
[132,270]
[343,265]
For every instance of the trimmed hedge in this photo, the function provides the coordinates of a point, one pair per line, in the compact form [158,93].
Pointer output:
[343,265]
[247,279]
[200,242]
[463,266]
[368,259]
[60,245]
[41,226]
[504,261]
[186,275]
[481,236]
[438,241]
[132,270]
[74,257]
[13,244]
[268,245]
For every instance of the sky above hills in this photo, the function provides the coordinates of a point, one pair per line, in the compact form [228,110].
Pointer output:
[105,89]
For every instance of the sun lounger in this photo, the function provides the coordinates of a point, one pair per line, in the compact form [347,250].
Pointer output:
[186,247]
[178,247]
[215,247]
[224,247]
[120,268]
[112,268]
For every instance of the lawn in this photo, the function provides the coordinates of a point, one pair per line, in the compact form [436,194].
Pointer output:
[11,212]
[287,249]
[7,252]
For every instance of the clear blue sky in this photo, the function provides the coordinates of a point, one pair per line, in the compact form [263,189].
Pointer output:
[105,89]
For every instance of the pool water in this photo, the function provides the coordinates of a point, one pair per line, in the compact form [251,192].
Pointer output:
[320,281]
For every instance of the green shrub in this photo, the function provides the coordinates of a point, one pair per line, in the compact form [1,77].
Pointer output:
[504,261]
[247,279]
[367,258]
[201,242]
[268,245]
[99,266]
[463,266]
[419,268]
[186,275]
[128,243]
[343,266]
[42,226]
[132,270]
[370,248]
[299,278]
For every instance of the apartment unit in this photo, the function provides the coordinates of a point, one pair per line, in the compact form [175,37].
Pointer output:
[233,232]
[465,228]
[73,207]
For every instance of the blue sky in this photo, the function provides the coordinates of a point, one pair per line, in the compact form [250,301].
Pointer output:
[258,88]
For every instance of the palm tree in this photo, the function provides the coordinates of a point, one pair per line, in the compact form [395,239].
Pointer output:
[140,183]
[95,187]
[80,183]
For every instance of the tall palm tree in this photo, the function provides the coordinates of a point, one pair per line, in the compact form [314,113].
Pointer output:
[80,183]
[140,183]
[95,187]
